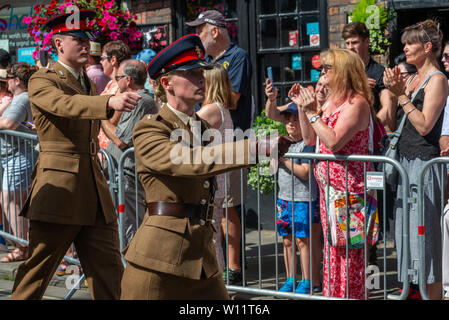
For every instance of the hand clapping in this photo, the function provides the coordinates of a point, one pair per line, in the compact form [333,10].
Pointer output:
[393,81]
[304,98]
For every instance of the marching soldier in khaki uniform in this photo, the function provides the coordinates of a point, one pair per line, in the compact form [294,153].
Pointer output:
[172,255]
[69,199]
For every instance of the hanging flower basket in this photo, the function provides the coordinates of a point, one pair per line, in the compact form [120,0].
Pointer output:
[112,23]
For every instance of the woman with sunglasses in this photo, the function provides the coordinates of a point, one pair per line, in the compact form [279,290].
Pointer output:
[421,100]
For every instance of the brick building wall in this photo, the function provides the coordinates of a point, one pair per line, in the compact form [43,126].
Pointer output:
[150,11]
[338,16]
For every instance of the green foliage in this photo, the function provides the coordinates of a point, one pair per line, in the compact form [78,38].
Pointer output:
[263,126]
[376,18]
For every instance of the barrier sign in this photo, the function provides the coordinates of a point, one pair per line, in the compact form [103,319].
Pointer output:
[375,180]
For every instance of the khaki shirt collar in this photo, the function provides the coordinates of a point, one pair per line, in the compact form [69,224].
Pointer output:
[182,116]
[75,73]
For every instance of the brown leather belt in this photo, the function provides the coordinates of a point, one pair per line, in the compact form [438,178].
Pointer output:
[185,210]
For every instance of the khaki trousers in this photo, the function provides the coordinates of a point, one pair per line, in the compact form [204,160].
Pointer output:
[144,284]
[97,247]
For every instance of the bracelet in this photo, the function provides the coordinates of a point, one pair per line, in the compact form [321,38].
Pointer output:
[410,111]
[405,102]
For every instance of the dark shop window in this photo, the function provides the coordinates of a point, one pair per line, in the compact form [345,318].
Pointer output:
[290,39]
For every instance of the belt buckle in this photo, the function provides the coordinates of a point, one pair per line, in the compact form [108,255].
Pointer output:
[208,216]
[92,148]
[209,212]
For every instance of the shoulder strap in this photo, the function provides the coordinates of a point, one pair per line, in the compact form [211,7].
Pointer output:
[424,83]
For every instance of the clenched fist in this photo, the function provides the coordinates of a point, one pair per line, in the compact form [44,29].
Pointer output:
[271,146]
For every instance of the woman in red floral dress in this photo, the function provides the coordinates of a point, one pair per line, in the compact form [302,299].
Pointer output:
[342,128]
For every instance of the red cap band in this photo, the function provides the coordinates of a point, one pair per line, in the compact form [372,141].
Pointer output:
[82,25]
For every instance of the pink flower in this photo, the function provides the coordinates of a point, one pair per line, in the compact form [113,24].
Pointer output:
[113,26]
[109,4]
[27,20]
[113,35]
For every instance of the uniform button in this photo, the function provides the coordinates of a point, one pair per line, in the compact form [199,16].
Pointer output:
[202,222]
[206,184]
[203,201]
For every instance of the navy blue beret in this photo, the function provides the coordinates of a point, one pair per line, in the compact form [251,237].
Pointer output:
[184,54]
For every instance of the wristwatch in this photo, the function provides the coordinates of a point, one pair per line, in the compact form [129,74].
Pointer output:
[314,118]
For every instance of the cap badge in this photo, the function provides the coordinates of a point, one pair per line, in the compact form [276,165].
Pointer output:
[198,52]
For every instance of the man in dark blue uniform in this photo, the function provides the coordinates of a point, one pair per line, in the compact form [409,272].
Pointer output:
[211,28]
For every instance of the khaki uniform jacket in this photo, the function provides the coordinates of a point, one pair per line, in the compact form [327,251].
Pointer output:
[178,246]
[68,185]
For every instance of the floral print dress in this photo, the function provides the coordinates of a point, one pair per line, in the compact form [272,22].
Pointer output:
[335,260]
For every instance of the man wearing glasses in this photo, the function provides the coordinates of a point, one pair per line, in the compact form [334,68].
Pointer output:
[131,77]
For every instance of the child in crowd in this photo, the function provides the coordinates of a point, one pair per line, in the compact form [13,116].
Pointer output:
[297,203]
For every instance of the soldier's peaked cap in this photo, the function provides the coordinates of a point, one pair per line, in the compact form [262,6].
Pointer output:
[76,23]
[184,54]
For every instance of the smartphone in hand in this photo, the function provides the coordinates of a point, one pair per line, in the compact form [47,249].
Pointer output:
[270,74]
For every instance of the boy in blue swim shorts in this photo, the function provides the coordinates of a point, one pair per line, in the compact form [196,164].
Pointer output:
[296,201]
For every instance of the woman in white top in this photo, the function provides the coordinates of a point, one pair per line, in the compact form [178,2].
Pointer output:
[215,110]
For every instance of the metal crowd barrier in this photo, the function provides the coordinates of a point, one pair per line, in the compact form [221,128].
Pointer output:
[270,291]
[17,154]
[253,280]
[422,227]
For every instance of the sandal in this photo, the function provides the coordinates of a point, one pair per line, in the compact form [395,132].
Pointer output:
[17,254]
[62,268]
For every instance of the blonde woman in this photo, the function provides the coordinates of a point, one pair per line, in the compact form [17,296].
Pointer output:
[342,128]
[215,110]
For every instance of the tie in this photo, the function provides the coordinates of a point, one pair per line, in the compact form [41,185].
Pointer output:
[83,83]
